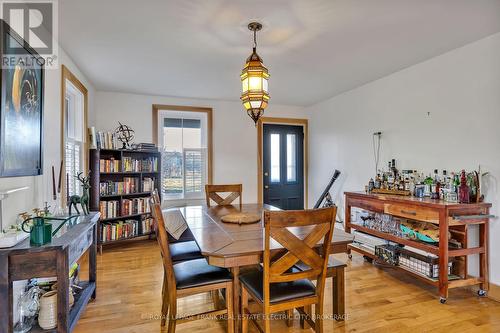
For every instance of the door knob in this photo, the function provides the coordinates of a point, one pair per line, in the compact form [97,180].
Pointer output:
[266,174]
[266,187]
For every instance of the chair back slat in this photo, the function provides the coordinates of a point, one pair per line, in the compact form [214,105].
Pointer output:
[212,193]
[316,229]
[162,238]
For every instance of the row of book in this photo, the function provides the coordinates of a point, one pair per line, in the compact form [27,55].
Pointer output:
[135,206]
[140,165]
[105,140]
[129,185]
[148,184]
[109,209]
[118,230]
[111,165]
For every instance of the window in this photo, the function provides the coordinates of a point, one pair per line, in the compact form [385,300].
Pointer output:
[183,138]
[75,96]
[275,158]
[291,160]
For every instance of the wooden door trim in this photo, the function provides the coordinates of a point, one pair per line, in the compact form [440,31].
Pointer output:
[260,131]
[66,74]
[162,107]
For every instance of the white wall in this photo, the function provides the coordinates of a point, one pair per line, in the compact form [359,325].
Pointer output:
[234,134]
[40,186]
[460,90]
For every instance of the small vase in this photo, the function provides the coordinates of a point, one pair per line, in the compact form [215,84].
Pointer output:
[47,317]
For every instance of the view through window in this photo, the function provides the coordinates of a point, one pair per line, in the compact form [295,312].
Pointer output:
[184,154]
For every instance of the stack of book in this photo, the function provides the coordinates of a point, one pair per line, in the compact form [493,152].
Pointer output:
[110,165]
[146,146]
[119,230]
[135,206]
[108,209]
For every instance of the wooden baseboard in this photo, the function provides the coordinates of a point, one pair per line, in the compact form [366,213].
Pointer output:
[494,292]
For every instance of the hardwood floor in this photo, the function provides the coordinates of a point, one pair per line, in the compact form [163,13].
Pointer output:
[377,300]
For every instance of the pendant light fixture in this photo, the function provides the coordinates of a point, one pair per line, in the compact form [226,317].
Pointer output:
[254,80]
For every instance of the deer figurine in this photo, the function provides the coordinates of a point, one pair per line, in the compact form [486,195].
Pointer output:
[83,200]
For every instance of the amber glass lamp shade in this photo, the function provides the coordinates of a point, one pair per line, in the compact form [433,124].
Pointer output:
[254,83]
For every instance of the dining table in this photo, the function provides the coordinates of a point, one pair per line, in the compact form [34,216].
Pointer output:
[233,245]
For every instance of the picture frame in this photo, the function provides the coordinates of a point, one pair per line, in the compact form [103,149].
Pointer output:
[21,111]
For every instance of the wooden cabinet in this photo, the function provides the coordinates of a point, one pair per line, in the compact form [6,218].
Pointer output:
[25,261]
[451,218]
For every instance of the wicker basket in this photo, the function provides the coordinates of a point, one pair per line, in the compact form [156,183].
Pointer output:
[424,265]
[388,253]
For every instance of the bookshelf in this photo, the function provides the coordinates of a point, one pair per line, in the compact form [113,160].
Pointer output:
[121,183]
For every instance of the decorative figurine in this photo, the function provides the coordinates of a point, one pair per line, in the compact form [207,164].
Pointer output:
[463,190]
[82,200]
[125,135]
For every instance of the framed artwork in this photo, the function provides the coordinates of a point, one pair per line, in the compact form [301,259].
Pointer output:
[21,116]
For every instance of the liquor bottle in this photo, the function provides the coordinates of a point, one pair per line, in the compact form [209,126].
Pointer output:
[428,184]
[436,184]
[463,190]
[377,182]
[371,185]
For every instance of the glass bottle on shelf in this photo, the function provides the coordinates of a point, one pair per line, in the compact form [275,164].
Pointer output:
[428,186]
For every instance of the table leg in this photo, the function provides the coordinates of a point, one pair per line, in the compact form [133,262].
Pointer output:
[443,256]
[93,261]
[62,291]
[483,257]
[236,299]
[338,291]
[5,295]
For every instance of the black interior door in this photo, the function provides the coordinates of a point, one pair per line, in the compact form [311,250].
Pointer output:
[283,166]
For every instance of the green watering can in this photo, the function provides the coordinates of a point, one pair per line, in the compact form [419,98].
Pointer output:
[41,232]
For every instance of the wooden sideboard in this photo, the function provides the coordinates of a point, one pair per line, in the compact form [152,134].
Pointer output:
[25,261]
[451,218]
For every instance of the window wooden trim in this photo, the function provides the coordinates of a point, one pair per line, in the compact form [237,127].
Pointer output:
[66,74]
[260,131]
[161,107]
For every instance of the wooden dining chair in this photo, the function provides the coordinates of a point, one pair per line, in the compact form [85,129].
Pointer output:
[182,250]
[279,286]
[188,278]
[212,192]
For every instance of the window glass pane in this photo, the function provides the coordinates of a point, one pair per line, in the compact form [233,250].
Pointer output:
[172,159]
[291,160]
[275,158]
[193,170]
[183,158]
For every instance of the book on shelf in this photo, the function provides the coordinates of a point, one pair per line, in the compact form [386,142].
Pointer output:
[109,209]
[135,206]
[147,225]
[130,185]
[111,188]
[149,164]
[111,165]
[106,140]
[148,184]
[111,231]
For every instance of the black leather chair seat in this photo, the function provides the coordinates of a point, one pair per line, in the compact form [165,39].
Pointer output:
[198,272]
[183,251]
[280,292]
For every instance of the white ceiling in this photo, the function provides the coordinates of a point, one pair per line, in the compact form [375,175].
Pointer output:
[314,49]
